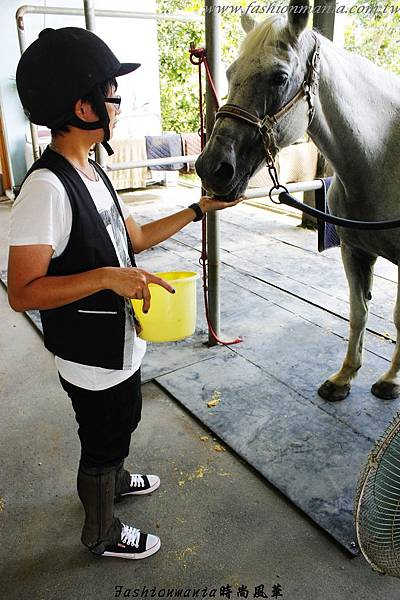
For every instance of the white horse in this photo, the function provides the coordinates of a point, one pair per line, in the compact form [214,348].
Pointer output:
[356,126]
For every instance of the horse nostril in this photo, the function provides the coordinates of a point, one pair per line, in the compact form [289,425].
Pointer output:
[224,172]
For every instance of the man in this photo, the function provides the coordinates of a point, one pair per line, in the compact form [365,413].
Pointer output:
[72,256]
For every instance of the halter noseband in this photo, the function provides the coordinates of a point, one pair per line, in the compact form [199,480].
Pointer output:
[267,124]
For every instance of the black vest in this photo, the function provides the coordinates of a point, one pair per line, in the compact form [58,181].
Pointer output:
[90,331]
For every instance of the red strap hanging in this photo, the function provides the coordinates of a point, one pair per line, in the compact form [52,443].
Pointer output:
[198,57]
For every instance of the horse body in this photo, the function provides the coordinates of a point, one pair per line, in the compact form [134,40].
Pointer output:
[356,126]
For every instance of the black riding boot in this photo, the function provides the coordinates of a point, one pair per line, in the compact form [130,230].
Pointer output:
[96,489]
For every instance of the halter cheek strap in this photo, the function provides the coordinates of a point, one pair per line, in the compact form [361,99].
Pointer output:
[266,125]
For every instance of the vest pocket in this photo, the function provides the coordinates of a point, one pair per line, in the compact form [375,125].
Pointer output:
[98,312]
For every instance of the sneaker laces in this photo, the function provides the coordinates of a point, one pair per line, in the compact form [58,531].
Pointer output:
[137,480]
[130,535]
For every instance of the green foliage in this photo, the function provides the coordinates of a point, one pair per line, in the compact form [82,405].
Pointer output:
[375,33]
[178,77]
[371,33]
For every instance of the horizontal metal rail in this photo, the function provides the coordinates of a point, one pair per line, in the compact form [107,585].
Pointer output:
[49,10]
[301,186]
[169,160]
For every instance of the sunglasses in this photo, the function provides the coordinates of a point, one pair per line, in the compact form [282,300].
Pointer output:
[115,100]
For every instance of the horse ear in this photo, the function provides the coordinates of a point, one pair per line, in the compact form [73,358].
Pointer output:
[299,11]
[248,23]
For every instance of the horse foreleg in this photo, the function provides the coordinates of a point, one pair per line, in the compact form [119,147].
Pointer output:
[359,268]
[388,386]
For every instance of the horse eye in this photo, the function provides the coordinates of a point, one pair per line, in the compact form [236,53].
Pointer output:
[279,78]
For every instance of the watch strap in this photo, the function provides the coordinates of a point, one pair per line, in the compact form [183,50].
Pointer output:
[199,213]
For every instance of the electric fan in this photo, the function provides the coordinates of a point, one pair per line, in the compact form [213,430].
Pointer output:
[377,503]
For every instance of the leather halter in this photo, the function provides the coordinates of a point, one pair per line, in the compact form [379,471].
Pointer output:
[266,125]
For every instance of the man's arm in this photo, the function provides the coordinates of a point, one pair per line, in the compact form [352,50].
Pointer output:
[29,286]
[151,234]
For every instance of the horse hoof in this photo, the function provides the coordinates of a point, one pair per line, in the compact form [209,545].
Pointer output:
[386,390]
[333,392]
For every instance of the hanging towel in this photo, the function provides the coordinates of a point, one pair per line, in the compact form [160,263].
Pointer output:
[191,145]
[298,162]
[327,234]
[262,178]
[163,146]
[128,150]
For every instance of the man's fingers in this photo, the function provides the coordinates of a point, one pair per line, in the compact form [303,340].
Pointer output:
[157,280]
[143,292]
[146,299]
[234,202]
[222,204]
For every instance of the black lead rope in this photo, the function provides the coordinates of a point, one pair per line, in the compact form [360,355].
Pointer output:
[286,198]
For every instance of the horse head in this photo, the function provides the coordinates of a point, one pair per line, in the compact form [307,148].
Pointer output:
[270,71]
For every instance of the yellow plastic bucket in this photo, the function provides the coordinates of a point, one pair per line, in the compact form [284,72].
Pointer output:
[171,317]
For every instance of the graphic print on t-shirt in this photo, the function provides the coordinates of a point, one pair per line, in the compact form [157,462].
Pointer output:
[116,229]
[113,223]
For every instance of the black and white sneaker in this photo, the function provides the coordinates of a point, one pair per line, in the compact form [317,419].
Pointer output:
[134,544]
[141,484]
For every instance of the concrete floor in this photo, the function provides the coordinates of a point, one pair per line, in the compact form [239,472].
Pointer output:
[220,523]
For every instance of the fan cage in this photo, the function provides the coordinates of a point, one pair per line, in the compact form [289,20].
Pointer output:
[377,503]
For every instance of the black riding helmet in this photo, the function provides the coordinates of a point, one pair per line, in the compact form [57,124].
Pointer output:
[62,66]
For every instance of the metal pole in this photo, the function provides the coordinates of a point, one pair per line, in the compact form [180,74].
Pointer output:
[213,49]
[32,127]
[324,21]
[90,19]
[90,22]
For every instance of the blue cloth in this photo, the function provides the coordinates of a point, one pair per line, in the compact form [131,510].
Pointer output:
[327,234]
[163,146]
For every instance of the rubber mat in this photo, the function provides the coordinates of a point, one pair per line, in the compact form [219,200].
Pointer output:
[264,403]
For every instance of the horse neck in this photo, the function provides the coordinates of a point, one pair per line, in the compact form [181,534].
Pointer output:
[356,112]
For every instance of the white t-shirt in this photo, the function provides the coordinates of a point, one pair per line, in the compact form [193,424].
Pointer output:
[42,214]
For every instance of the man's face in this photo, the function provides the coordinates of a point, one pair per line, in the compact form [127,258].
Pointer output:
[113,109]
[85,111]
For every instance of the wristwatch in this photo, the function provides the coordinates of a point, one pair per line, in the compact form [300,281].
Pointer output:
[199,213]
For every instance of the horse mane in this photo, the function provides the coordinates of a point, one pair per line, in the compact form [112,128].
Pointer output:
[266,33]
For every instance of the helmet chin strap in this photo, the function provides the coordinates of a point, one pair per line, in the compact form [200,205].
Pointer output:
[107,148]
[103,122]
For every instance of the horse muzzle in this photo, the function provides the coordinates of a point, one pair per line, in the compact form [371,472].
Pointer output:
[217,167]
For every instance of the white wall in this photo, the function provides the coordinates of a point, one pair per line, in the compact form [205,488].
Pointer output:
[130,39]
[14,120]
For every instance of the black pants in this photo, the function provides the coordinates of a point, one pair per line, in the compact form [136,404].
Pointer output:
[106,420]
